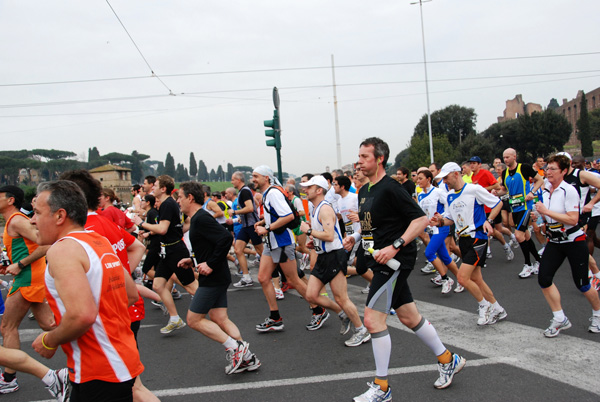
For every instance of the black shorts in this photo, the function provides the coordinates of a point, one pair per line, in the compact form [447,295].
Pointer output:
[152,259]
[330,264]
[521,220]
[102,391]
[584,218]
[209,297]
[505,206]
[593,223]
[473,250]
[555,254]
[497,219]
[389,289]
[168,266]
[247,235]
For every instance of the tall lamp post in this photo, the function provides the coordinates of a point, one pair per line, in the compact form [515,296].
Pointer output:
[420,3]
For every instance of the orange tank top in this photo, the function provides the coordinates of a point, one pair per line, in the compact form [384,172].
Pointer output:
[107,351]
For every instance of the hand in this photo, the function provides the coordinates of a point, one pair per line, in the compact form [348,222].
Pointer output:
[304,226]
[137,220]
[487,228]
[435,219]
[204,269]
[385,254]
[541,208]
[13,269]
[529,196]
[353,216]
[39,347]
[587,208]
[185,263]
[348,243]
[229,221]
[260,230]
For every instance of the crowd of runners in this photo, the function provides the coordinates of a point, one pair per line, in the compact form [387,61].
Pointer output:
[83,267]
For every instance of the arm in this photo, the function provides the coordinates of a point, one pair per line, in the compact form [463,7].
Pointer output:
[328,219]
[538,182]
[592,180]
[160,228]
[570,218]
[218,212]
[74,289]
[135,252]
[248,208]
[130,288]
[20,226]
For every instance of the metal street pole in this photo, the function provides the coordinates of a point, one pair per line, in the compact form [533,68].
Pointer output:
[426,79]
[337,123]
[278,130]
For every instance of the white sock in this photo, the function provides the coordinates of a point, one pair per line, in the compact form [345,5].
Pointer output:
[597,274]
[497,306]
[248,354]
[48,378]
[342,315]
[483,303]
[230,343]
[382,349]
[596,313]
[174,318]
[247,277]
[506,246]
[361,329]
[559,316]
[427,333]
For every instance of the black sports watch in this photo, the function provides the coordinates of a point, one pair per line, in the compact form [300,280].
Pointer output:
[309,232]
[268,228]
[398,243]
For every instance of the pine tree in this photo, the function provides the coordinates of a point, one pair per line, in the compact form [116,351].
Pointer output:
[583,129]
[169,165]
[202,171]
[193,165]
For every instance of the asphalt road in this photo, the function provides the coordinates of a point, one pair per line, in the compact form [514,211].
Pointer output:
[511,360]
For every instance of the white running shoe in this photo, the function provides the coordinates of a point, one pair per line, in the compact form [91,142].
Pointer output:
[497,315]
[447,285]
[448,370]
[428,269]
[455,258]
[484,314]
[555,327]
[358,338]
[514,242]
[489,254]
[243,283]
[375,394]
[535,268]
[279,294]
[459,288]
[365,291]
[526,272]
[595,325]
[509,254]
[437,280]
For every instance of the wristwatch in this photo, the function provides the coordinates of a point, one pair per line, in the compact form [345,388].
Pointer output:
[398,243]
[491,222]
[268,228]
[309,232]
[20,265]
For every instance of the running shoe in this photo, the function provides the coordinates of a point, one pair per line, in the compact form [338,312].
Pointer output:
[161,306]
[305,262]
[285,287]
[484,314]
[243,283]
[514,243]
[447,285]
[595,325]
[428,269]
[60,387]
[497,315]
[455,258]
[31,316]
[375,394]
[270,325]
[6,387]
[346,325]
[437,280]
[365,291]
[419,243]
[595,282]
[358,338]
[526,272]
[279,294]
[176,294]
[459,288]
[172,326]
[235,356]
[555,327]
[535,268]
[392,311]
[249,365]
[510,255]
[448,370]
[317,320]
[489,254]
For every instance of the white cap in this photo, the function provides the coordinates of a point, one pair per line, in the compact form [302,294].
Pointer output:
[316,181]
[447,169]
[565,154]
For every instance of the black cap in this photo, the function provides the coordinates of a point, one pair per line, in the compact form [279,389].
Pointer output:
[17,193]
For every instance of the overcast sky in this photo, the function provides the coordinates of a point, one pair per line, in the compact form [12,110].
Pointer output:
[207,54]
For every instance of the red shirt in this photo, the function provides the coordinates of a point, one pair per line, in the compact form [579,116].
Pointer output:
[117,216]
[484,178]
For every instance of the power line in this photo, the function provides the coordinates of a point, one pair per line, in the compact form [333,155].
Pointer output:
[91,80]
[138,49]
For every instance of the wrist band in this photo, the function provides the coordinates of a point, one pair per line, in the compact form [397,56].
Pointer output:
[44,344]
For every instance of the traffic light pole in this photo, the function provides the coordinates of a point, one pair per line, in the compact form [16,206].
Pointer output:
[275,133]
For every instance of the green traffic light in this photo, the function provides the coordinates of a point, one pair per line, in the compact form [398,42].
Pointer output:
[271,143]
[269,123]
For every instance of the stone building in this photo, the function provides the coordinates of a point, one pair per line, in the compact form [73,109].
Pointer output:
[117,178]
[29,176]
[571,109]
[516,107]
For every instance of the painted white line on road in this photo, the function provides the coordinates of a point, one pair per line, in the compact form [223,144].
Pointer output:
[564,358]
[304,380]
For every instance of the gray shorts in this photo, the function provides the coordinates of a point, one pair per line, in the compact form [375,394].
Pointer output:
[281,254]
[209,297]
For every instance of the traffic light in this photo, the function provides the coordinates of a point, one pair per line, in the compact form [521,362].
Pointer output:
[275,133]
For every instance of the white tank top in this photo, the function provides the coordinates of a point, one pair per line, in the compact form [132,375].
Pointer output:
[325,246]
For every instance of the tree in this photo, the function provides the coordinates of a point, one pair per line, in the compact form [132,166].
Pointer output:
[401,159]
[117,158]
[229,171]
[169,165]
[193,165]
[181,173]
[583,129]
[419,151]
[220,174]
[553,105]
[93,154]
[137,167]
[595,124]
[476,145]
[454,122]
[52,153]
[213,175]
[202,171]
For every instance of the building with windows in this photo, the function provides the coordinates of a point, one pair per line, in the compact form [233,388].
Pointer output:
[117,178]
[571,110]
